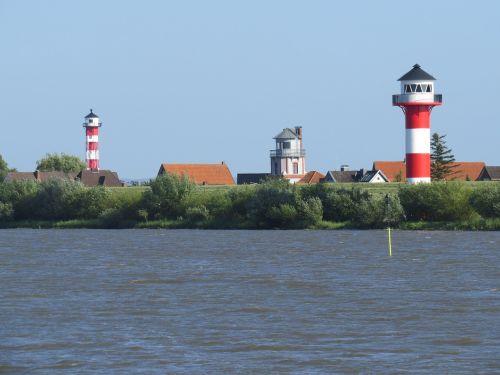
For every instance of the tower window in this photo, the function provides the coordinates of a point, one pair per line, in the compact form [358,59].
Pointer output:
[429,88]
[91,121]
[419,88]
[295,168]
[413,87]
[286,145]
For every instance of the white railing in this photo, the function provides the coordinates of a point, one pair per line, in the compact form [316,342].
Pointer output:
[292,153]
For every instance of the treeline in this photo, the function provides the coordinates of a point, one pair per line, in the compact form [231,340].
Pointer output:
[174,202]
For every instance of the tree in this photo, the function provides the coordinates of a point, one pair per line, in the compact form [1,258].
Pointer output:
[167,195]
[4,169]
[441,158]
[60,162]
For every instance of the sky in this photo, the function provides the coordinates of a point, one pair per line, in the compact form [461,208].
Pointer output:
[212,81]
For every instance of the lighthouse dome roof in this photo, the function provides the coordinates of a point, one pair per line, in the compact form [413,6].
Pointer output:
[91,115]
[286,133]
[417,74]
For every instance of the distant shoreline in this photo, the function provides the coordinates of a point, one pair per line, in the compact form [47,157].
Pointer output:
[473,225]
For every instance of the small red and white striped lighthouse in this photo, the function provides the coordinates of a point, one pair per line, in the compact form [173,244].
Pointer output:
[417,99]
[92,126]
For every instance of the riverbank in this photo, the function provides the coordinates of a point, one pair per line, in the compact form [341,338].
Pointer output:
[173,202]
[474,225]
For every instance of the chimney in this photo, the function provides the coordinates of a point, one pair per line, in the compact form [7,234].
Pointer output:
[298,131]
[344,167]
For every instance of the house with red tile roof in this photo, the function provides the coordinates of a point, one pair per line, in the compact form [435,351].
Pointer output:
[201,174]
[101,177]
[464,170]
[312,177]
[395,171]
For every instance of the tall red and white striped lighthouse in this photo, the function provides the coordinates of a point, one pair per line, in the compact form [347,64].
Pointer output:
[417,99]
[92,126]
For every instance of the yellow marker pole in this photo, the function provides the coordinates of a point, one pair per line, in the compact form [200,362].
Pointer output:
[389,240]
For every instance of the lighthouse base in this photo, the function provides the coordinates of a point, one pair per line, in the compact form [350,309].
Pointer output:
[418,180]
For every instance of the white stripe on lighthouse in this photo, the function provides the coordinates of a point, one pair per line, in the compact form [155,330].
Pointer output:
[418,141]
[92,154]
[92,138]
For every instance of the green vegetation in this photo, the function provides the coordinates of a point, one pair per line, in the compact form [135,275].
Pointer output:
[60,162]
[172,201]
[4,169]
[441,157]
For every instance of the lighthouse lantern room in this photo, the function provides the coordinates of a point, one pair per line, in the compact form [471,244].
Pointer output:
[417,99]
[92,126]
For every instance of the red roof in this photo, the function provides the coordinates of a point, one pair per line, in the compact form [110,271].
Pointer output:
[201,174]
[463,170]
[391,169]
[312,177]
[466,170]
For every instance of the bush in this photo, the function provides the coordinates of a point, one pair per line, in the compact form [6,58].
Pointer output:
[310,211]
[20,195]
[167,195]
[91,202]
[486,200]
[6,211]
[217,202]
[378,211]
[439,201]
[281,216]
[58,199]
[111,218]
[273,204]
[240,202]
[356,205]
[198,214]
[278,204]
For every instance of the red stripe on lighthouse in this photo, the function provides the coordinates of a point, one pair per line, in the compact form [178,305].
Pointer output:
[92,130]
[418,166]
[418,116]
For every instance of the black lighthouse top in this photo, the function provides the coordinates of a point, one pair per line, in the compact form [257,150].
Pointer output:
[417,74]
[91,115]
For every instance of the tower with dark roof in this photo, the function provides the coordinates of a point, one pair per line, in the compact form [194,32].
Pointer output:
[417,98]
[288,159]
[92,126]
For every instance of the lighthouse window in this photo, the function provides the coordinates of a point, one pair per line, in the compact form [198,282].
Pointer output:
[407,88]
[286,144]
[429,88]
[90,121]
[419,88]
[413,87]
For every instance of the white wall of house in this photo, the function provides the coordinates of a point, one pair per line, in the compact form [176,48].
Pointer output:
[377,179]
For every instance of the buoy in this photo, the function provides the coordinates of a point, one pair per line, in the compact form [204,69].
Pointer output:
[389,240]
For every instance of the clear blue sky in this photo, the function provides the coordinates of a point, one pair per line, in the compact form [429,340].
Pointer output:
[206,81]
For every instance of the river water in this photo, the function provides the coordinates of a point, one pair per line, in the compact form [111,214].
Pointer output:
[248,302]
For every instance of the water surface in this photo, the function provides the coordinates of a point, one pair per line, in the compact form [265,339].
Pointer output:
[249,302]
